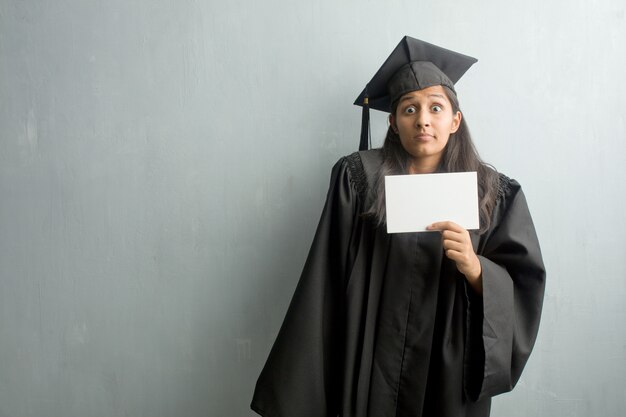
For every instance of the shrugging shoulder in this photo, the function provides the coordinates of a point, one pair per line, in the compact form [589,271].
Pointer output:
[305,374]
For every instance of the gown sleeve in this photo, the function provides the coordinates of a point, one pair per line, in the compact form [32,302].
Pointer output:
[299,376]
[504,322]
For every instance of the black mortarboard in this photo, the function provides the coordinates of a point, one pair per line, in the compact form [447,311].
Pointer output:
[413,65]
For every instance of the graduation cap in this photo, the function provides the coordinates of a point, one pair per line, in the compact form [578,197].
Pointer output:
[413,65]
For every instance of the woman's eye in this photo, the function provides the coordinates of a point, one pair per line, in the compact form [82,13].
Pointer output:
[436,108]
[410,110]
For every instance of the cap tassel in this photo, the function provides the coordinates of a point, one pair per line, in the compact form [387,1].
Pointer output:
[365,142]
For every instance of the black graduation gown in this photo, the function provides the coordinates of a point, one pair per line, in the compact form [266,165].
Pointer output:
[385,325]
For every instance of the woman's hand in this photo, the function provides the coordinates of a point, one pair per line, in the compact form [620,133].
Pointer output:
[458,247]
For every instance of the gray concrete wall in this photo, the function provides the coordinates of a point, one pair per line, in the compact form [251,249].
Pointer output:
[163,166]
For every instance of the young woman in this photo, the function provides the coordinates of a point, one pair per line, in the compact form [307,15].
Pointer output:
[411,324]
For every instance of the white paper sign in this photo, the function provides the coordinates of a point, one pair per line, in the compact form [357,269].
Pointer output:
[416,201]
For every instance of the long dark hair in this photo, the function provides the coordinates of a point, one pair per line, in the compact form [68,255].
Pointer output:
[459,155]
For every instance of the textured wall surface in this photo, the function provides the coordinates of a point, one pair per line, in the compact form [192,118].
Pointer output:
[163,165]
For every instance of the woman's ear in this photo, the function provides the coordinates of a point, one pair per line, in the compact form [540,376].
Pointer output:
[392,123]
[456,122]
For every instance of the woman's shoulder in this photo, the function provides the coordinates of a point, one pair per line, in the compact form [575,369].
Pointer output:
[361,168]
[506,186]
[365,163]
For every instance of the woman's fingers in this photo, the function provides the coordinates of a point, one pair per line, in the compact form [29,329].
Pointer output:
[452,235]
[447,225]
[463,259]
[457,246]
[453,245]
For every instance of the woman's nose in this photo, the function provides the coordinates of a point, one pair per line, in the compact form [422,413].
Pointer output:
[422,119]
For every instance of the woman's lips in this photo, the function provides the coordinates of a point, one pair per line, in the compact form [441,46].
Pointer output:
[423,136]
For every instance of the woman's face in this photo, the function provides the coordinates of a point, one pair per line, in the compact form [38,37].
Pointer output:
[424,120]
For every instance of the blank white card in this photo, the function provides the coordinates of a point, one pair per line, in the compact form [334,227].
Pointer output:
[416,201]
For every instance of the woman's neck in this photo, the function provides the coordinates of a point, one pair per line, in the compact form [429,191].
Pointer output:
[423,166]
